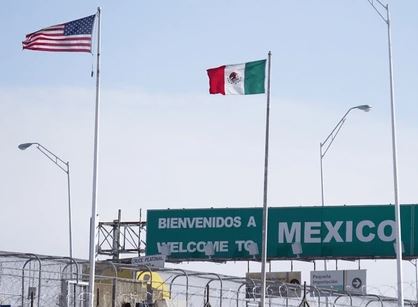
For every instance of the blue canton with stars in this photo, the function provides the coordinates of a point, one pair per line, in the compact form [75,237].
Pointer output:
[79,26]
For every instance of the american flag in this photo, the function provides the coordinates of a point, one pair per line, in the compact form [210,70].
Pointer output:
[73,36]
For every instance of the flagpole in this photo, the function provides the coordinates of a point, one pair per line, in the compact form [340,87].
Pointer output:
[93,222]
[265,208]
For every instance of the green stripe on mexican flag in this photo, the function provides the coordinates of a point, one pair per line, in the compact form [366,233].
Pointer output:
[238,79]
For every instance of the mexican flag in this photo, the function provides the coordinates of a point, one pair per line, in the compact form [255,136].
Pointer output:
[238,79]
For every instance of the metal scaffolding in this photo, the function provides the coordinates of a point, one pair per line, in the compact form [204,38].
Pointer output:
[121,238]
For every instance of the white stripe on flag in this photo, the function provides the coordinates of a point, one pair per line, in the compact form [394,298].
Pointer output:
[234,79]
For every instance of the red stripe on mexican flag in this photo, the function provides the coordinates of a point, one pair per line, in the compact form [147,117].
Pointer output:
[238,79]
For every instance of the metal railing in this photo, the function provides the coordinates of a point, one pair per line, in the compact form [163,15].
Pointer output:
[36,280]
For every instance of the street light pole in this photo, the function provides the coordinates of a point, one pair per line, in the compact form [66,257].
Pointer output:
[328,142]
[64,166]
[330,139]
[398,234]
[70,232]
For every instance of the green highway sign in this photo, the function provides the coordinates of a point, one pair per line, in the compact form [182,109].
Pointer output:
[187,232]
[355,231]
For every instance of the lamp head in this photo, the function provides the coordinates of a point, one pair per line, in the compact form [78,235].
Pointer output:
[364,107]
[25,145]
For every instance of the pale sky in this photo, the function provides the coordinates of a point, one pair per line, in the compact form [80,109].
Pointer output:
[166,143]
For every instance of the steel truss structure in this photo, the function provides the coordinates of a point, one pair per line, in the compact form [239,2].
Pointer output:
[121,238]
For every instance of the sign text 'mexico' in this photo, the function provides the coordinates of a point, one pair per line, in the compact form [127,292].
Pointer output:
[328,231]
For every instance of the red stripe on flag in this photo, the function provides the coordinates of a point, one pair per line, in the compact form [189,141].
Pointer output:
[60,50]
[73,42]
[50,29]
[58,45]
[61,39]
[217,80]
[43,34]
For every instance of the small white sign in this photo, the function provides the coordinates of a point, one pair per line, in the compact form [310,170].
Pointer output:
[355,281]
[281,277]
[152,260]
[333,280]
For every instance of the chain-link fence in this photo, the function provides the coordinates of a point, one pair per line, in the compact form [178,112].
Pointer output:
[34,280]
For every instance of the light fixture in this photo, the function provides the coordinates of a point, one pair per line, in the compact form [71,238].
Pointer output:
[253,249]
[363,107]
[297,249]
[165,249]
[26,145]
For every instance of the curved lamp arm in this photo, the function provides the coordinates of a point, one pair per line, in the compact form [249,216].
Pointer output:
[65,166]
[337,128]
